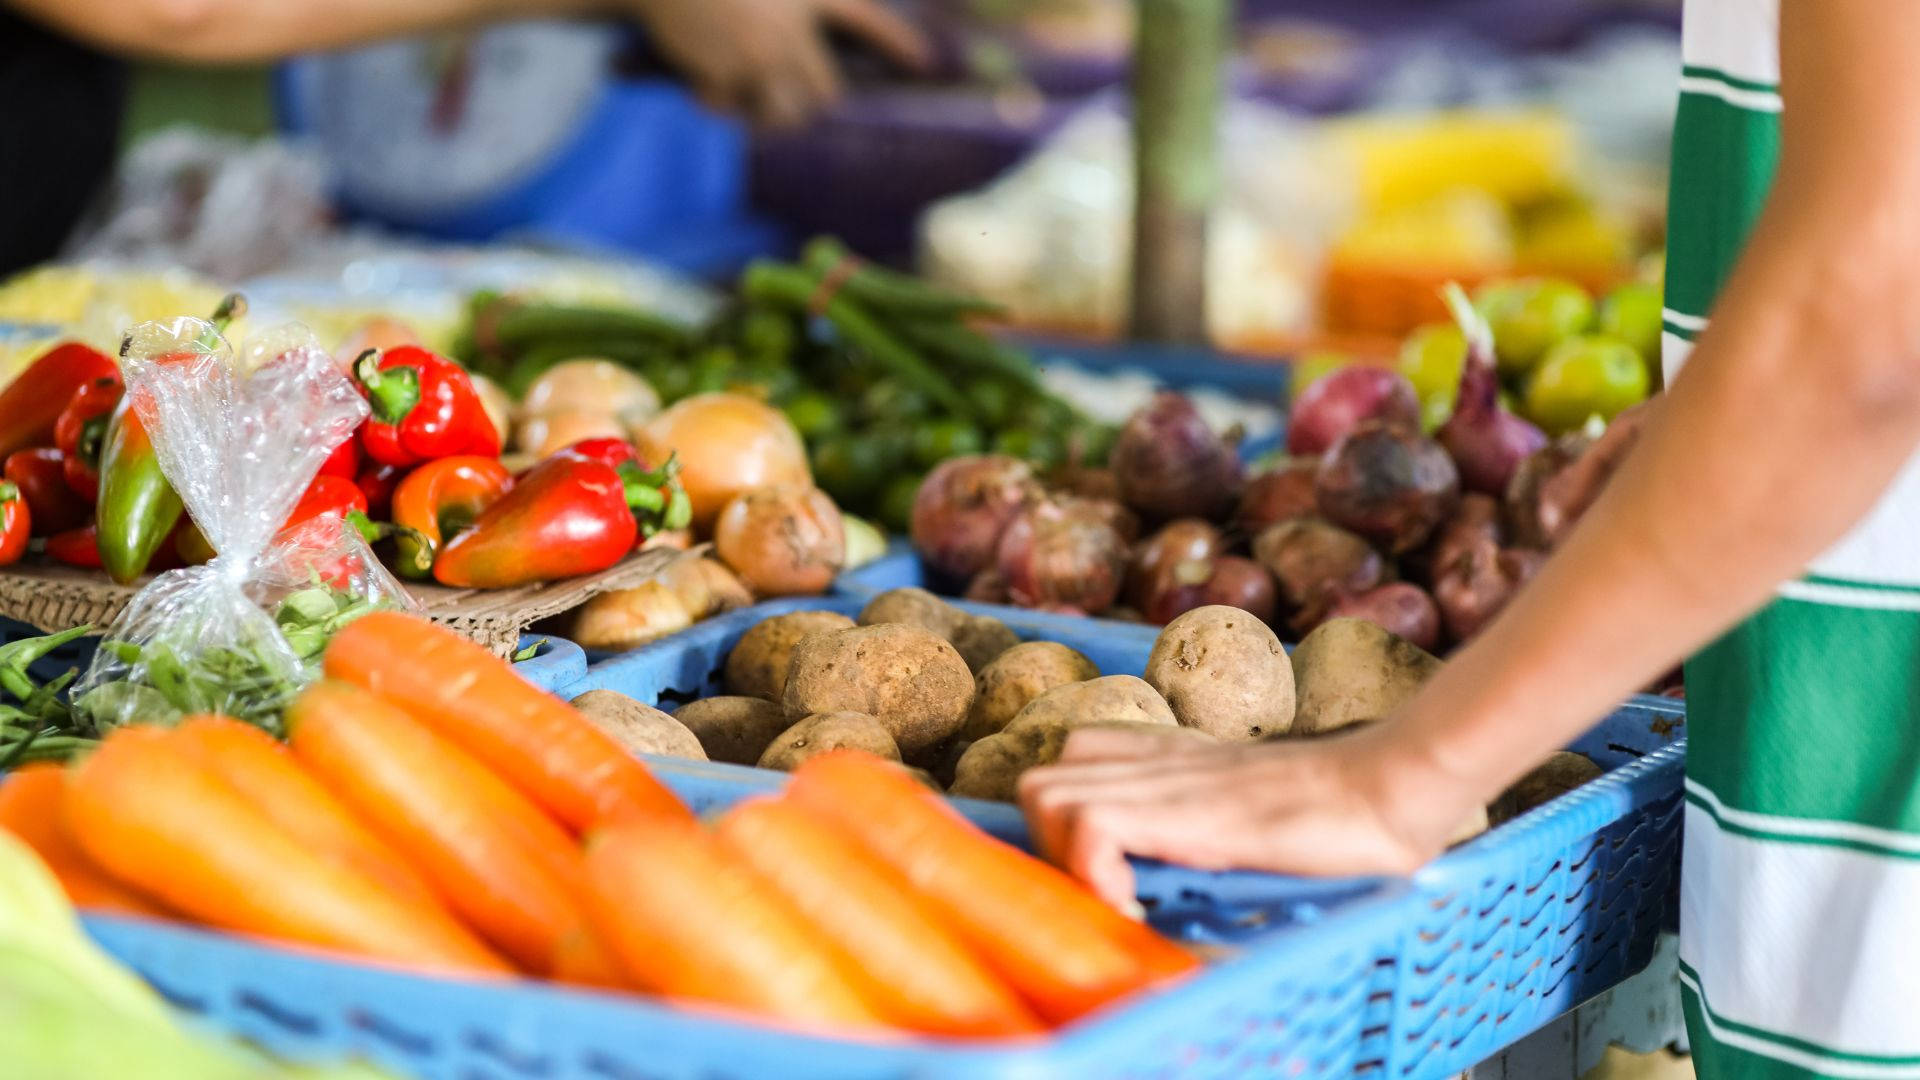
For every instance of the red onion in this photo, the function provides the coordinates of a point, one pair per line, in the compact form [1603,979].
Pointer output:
[1240,582]
[987,587]
[1399,608]
[1055,554]
[1477,521]
[1337,402]
[1314,563]
[1529,482]
[1086,483]
[1171,464]
[1389,483]
[1487,442]
[962,507]
[1476,587]
[1566,495]
[1156,564]
[1282,492]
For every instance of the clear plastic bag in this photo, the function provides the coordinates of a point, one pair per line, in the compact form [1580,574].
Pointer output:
[240,438]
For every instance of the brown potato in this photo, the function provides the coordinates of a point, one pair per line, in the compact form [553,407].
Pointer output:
[736,730]
[757,666]
[979,638]
[1016,677]
[642,729]
[1351,670]
[623,619]
[991,768]
[908,677]
[1554,777]
[1122,698]
[828,731]
[1223,672]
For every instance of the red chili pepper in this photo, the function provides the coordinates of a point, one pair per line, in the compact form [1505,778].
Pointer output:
[424,407]
[439,499]
[377,483]
[75,547]
[607,451]
[344,461]
[16,523]
[328,495]
[567,516]
[31,403]
[40,475]
[82,430]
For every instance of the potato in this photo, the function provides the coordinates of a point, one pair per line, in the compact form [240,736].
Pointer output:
[1349,670]
[991,768]
[1477,822]
[642,729]
[757,666]
[979,638]
[828,731]
[1554,777]
[622,619]
[1122,698]
[736,730]
[1223,672]
[908,677]
[1016,677]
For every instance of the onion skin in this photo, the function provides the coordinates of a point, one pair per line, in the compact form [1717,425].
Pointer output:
[1478,520]
[1170,464]
[987,587]
[1474,589]
[963,506]
[1399,608]
[1282,492]
[728,444]
[1337,402]
[1314,564]
[781,541]
[1058,554]
[1487,442]
[1388,483]
[1156,561]
[1240,582]
[1086,482]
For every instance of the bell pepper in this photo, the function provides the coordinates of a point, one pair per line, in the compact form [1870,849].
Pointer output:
[81,430]
[325,495]
[76,547]
[377,483]
[568,515]
[138,508]
[344,461]
[40,475]
[606,450]
[439,499]
[16,523]
[31,403]
[424,407]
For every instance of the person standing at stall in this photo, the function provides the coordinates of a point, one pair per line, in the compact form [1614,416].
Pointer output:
[1767,524]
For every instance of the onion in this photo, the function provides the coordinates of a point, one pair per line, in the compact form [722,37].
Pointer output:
[987,587]
[1529,481]
[1487,442]
[589,383]
[495,402]
[1388,483]
[728,444]
[781,540]
[1566,495]
[1240,582]
[544,434]
[1473,589]
[1175,558]
[964,505]
[1337,402]
[1282,492]
[1477,521]
[1059,554]
[626,618]
[1399,608]
[1087,483]
[1314,564]
[380,333]
[1171,464]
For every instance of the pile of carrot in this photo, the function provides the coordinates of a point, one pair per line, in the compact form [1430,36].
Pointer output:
[433,811]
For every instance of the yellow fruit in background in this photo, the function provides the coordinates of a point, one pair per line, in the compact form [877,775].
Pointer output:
[1513,156]
[1309,367]
[1584,377]
[1462,228]
[1576,239]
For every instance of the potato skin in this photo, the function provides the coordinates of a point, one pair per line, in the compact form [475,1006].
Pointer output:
[1350,670]
[991,768]
[828,731]
[1552,778]
[757,666]
[981,639]
[1110,698]
[641,728]
[914,607]
[1016,677]
[907,677]
[1223,672]
[736,730]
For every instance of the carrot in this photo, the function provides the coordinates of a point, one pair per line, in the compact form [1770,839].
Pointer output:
[911,966]
[501,863]
[583,959]
[689,921]
[30,808]
[538,743]
[265,773]
[1054,941]
[153,817]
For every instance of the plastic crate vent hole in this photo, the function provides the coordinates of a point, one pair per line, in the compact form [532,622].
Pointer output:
[280,1015]
[523,1064]
[378,1026]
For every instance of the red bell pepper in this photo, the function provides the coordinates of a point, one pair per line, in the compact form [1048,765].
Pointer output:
[439,499]
[328,495]
[377,483]
[31,403]
[82,430]
[424,407]
[606,450]
[40,475]
[344,461]
[75,547]
[16,523]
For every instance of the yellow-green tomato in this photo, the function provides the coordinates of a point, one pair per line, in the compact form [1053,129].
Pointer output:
[1632,314]
[1531,316]
[1431,359]
[1583,377]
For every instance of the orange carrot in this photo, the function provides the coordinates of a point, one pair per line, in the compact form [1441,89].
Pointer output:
[906,962]
[501,863]
[1054,941]
[689,921]
[265,773]
[583,959]
[538,743]
[152,816]
[30,808]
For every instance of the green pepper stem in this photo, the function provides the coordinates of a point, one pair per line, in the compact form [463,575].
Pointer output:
[393,392]
[9,491]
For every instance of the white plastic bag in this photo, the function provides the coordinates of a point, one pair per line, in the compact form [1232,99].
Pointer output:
[240,438]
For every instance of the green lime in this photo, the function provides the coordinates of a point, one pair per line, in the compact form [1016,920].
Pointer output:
[889,400]
[1431,358]
[1632,314]
[1309,368]
[848,468]
[938,440]
[1028,445]
[1435,411]
[1531,316]
[813,414]
[991,399]
[1583,377]
[896,503]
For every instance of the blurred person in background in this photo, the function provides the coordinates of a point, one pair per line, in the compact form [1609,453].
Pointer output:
[63,84]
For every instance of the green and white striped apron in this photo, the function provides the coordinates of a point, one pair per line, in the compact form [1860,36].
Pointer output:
[1800,911]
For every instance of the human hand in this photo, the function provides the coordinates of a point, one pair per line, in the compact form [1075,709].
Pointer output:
[1360,802]
[769,58]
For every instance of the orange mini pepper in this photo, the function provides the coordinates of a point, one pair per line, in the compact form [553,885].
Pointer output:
[439,499]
